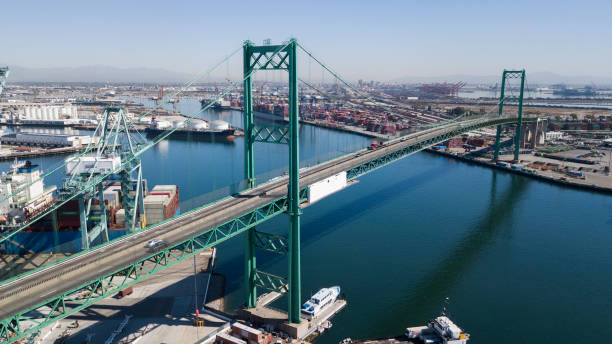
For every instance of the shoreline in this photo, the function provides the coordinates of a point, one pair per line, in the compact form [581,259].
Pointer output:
[567,183]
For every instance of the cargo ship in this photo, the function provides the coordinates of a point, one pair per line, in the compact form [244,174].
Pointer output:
[220,104]
[196,129]
[59,231]
[32,201]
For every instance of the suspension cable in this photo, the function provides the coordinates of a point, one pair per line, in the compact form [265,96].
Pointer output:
[158,139]
[130,124]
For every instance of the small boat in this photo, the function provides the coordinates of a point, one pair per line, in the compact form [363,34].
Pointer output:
[323,298]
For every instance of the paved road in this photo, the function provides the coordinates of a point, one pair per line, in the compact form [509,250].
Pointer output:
[39,286]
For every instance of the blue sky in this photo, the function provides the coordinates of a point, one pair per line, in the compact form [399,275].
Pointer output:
[361,39]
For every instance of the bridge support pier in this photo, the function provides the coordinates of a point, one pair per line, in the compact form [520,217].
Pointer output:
[533,134]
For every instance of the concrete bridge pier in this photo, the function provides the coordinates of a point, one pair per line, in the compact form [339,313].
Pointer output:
[533,134]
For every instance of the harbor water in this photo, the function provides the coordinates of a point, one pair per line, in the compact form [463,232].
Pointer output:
[521,260]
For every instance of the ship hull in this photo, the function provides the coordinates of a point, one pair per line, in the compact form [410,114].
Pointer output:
[227,135]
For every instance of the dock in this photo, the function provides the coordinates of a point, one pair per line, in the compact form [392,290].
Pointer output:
[307,330]
[159,310]
[602,184]
[36,153]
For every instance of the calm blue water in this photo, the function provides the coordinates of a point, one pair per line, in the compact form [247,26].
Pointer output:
[522,261]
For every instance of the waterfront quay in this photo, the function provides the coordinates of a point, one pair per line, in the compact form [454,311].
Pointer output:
[158,310]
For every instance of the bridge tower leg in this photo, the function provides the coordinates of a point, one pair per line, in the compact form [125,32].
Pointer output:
[249,164]
[501,111]
[517,140]
[249,171]
[295,283]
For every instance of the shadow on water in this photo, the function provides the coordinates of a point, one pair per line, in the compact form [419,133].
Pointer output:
[434,288]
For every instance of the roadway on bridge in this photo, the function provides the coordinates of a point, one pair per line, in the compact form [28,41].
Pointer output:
[42,285]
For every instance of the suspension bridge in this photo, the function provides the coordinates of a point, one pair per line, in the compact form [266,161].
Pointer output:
[40,297]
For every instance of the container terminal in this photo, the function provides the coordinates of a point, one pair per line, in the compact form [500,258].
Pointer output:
[581,159]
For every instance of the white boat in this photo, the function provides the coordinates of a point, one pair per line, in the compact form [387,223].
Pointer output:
[440,330]
[319,301]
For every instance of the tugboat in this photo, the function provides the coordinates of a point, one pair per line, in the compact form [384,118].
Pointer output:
[323,298]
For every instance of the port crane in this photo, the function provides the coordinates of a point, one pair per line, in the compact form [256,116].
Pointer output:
[113,161]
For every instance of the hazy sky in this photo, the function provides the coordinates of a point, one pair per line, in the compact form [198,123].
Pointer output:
[361,39]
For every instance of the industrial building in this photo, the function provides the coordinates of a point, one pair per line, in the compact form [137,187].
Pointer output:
[45,140]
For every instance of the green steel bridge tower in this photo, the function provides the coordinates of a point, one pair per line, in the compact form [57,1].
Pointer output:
[511,74]
[274,57]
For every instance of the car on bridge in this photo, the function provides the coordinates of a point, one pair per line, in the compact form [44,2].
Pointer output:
[156,244]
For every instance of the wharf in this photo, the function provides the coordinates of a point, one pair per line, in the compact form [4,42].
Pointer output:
[395,340]
[601,184]
[160,310]
[306,330]
[342,128]
[350,129]
[41,152]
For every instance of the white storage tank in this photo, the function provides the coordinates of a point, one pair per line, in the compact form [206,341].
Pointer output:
[198,124]
[162,124]
[177,123]
[38,113]
[55,113]
[219,125]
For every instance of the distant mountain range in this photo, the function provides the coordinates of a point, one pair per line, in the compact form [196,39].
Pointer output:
[98,73]
[535,78]
[102,73]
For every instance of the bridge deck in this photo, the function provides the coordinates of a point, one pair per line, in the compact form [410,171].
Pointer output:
[40,286]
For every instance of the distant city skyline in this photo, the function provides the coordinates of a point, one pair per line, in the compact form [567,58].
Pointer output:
[384,41]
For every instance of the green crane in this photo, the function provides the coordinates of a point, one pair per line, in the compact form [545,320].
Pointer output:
[115,153]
